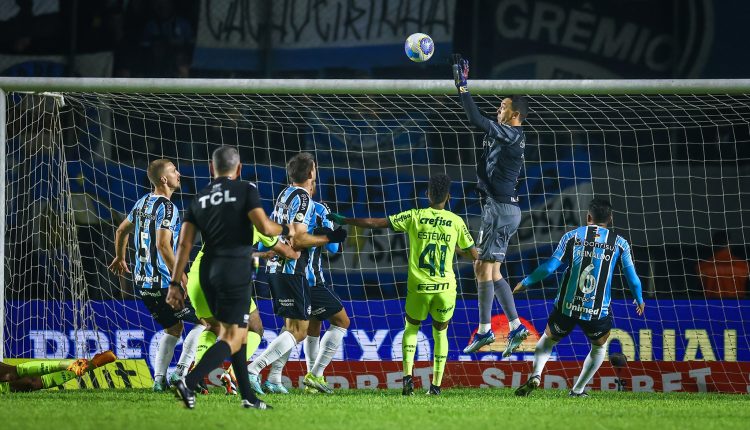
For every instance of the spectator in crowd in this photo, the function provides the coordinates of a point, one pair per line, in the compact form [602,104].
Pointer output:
[724,276]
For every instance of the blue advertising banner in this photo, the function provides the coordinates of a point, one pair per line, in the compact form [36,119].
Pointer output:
[679,330]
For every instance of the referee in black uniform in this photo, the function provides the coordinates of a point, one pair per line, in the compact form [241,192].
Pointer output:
[224,212]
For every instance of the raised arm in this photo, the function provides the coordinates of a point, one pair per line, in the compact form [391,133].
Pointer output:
[460,76]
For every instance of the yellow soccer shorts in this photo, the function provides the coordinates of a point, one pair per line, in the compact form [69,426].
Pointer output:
[440,305]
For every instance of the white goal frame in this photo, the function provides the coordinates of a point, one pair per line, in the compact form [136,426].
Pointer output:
[329,86]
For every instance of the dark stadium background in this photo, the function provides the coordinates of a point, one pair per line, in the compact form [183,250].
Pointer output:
[504,39]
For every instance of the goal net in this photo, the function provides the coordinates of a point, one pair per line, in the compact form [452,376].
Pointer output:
[676,168]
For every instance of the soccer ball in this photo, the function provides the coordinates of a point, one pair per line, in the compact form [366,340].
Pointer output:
[419,47]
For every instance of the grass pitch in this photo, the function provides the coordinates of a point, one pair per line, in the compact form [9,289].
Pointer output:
[473,409]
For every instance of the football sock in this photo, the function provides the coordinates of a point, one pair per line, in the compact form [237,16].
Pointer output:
[590,366]
[485,293]
[240,372]
[164,355]
[312,345]
[206,340]
[212,359]
[274,375]
[42,367]
[57,378]
[283,343]
[253,341]
[409,346]
[505,296]
[329,344]
[188,349]
[541,354]
[440,337]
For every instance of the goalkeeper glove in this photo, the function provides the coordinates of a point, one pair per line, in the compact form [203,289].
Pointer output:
[337,218]
[460,72]
[336,236]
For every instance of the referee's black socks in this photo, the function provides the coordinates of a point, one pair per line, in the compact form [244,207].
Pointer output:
[212,359]
[239,363]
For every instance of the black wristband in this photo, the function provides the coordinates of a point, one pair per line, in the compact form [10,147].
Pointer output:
[175,284]
[284,230]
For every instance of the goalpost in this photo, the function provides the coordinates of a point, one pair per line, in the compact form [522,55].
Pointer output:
[669,154]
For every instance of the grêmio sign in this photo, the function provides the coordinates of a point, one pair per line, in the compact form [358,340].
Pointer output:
[547,39]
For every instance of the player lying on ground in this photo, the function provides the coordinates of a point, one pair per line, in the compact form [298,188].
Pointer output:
[287,277]
[156,223]
[434,234]
[254,324]
[326,306]
[497,175]
[38,374]
[591,253]
[225,212]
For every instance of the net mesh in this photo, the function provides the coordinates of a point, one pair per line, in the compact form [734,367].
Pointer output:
[676,169]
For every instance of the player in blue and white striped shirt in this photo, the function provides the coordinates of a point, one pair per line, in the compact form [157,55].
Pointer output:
[591,252]
[326,305]
[156,223]
[287,277]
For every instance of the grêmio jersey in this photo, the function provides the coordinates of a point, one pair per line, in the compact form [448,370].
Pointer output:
[314,271]
[293,205]
[591,253]
[433,237]
[150,213]
[219,211]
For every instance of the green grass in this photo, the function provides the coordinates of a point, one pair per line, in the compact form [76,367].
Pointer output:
[470,409]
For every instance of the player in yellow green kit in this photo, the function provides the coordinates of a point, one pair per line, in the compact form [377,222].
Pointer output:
[35,375]
[434,236]
[255,326]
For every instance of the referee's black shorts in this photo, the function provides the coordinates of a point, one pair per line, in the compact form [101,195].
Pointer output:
[291,296]
[226,282]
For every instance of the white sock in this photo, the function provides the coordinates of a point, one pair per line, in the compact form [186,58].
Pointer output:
[274,375]
[541,354]
[484,328]
[514,324]
[329,344]
[164,355]
[283,343]
[312,345]
[188,349]
[590,366]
